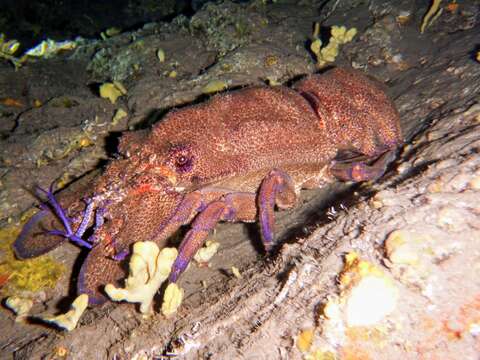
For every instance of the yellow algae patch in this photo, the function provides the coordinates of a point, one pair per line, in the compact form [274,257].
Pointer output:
[355,269]
[172,299]
[271,60]
[214,86]
[60,351]
[119,115]
[149,268]
[69,320]
[112,91]
[318,354]
[24,275]
[305,344]
[304,340]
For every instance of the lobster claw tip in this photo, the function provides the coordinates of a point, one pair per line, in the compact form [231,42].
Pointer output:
[33,240]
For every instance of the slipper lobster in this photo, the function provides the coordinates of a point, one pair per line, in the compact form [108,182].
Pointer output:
[235,157]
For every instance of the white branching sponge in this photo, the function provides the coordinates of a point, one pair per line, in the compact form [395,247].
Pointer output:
[205,253]
[172,299]
[149,268]
[20,306]
[69,320]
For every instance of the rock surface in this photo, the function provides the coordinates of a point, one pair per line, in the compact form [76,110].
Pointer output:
[430,196]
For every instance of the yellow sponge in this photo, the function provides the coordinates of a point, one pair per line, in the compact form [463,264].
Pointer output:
[69,320]
[339,36]
[172,299]
[149,268]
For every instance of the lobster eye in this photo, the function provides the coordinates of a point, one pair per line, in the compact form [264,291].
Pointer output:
[181,158]
[181,161]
